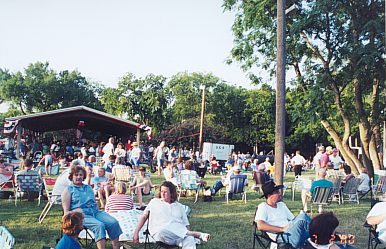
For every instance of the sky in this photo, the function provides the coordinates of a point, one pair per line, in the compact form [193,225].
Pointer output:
[104,40]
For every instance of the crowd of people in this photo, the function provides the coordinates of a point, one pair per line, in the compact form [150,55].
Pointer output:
[93,194]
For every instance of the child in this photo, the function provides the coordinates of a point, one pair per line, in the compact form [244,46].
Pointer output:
[109,165]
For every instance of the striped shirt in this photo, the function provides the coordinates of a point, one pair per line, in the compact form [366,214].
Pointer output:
[117,202]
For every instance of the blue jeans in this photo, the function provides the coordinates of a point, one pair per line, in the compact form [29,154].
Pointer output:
[100,222]
[297,232]
[216,187]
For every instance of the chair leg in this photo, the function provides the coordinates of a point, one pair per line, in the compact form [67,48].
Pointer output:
[45,211]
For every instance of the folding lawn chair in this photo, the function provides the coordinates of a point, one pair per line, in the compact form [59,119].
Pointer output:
[336,182]
[259,180]
[350,189]
[28,184]
[122,173]
[300,183]
[7,241]
[51,200]
[188,182]
[54,196]
[380,186]
[237,186]
[373,240]
[150,241]
[322,197]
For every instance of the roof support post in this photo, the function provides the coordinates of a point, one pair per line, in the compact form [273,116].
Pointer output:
[138,136]
[18,141]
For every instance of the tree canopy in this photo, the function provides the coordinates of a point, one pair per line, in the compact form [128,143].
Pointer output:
[336,49]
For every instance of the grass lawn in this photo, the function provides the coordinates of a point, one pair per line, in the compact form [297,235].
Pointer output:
[230,224]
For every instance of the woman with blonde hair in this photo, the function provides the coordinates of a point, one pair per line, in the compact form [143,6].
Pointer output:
[119,200]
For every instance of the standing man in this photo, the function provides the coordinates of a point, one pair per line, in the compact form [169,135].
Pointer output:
[325,158]
[335,159]
[159,155]
[108,150]
[316,160]
[298,161]
[135,155]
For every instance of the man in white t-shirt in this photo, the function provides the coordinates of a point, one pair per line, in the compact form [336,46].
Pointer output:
[298,161]
[377,217]
[274,216]
[335,159]
[168,221]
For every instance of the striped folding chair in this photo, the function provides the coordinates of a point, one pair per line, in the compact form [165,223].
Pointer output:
[28,184]
[321,197]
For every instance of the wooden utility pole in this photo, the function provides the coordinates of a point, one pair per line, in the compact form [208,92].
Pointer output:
[280,94]
[202,87]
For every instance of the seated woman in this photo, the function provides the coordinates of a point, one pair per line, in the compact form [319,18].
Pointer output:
[170,174]
[188,170]
[80,197]
[348,174]
[364,185]
[141,185]
[119,200]
[72,225]
[168,221]
[322,233]
[215,167]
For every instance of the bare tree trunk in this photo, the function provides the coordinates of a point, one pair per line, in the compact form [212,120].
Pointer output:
[280,94]
[348,155]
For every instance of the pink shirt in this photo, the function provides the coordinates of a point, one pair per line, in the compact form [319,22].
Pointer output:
[324,159]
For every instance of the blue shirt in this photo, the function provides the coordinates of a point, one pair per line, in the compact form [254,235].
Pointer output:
[83,197]
[67,242]
[98,179]
[109,167]
[323,183]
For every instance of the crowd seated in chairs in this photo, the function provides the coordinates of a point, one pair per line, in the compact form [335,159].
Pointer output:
[168,222]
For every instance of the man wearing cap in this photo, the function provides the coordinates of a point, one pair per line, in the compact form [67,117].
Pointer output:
[274,216]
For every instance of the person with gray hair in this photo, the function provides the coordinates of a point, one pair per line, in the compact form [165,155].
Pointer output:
[321,182]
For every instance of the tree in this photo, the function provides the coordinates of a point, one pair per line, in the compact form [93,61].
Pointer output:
[144,100]
[184,89]
[336,49]
[41,89]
